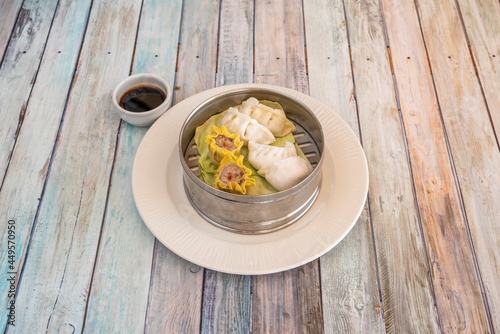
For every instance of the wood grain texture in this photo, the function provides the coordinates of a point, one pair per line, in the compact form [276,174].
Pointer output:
[279,44]
[407,299]
[482,24]
[476,157]
[176,285]
[54,287]
[120,285]
[8,16]
[227,298]
[198,48]
[25,177]
[451,261]
[88,258]
[349,288]
[235,62]
[175,294]
[226,303]
[290,301]
[18,71]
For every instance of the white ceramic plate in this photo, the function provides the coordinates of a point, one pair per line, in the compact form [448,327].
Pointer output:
[166,211]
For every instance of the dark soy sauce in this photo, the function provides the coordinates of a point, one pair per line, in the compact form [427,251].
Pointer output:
[142,98]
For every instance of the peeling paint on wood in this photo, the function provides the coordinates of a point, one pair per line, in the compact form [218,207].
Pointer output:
[58,176]
[227,298]
[176,287]
[8,16]
[126,247]
[408,304]
[476,158]
[348,275]
[235,62]
[23,184]
[289,301]
[19,67]
[443,224]
[279,44]
[58,269]
[482,25]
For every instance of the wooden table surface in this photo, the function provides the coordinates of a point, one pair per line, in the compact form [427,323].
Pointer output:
[417,80]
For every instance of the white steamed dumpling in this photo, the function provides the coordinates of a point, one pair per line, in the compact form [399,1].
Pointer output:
[247,128]
[261,156]
[248,106]
[286,173]
[273,119]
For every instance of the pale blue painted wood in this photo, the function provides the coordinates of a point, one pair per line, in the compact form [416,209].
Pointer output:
[286,302]
[197,58]
[19,196]
[19,69]
[8,16]
[349,288]
[227,303]
[227,298]
[54,288]
[176,285]
[120,287]
[280,44]
[235,63]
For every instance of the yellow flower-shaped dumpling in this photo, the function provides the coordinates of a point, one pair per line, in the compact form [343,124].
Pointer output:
[233,176]
[221,143]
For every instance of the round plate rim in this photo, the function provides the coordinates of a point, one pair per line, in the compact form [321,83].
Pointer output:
[172,233]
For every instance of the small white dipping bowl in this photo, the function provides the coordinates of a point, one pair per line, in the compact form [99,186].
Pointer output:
[144,118]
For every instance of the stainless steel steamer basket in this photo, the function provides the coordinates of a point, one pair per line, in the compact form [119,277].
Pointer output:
[253,214]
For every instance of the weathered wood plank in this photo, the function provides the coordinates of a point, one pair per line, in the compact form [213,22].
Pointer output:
[482,23]
[279,44]
[18,71]
[349,288]
[126,246]
[226,303]
[23,184]
[176,285]
[175,294]
[406,291]
[451,262]
[8,16]
[227,298]
[198,48]
[235,62]
[54,287]
[477,163]
[290,301]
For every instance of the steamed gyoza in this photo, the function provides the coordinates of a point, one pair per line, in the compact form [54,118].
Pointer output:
[273,168]
[273,119]
[247,128]
[286,173]
[248,106]
[261,156]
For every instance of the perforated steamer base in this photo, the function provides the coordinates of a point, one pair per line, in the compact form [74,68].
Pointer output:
[310,150]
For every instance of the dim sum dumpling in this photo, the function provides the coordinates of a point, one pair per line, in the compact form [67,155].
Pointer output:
[232,176]
[248,106]
[273,119]
[247,128]
[286,173]
[261,156]
[221,143]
